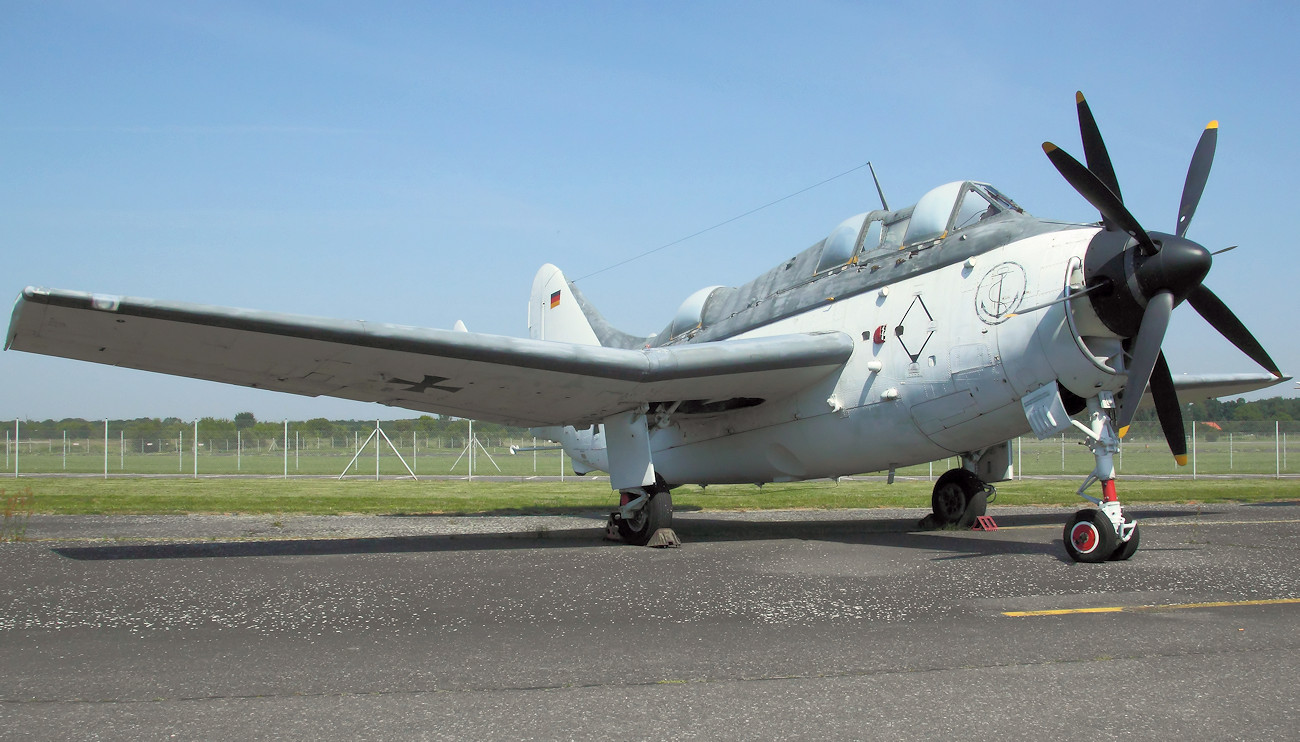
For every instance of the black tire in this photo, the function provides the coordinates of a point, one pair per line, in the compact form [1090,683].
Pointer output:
[952,495]
[1126,550]
[658,513]
[1089,537]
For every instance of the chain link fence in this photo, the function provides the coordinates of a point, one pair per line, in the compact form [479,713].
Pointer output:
[1214,448]
[296,454]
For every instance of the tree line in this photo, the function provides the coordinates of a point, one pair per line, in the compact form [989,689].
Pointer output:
[1281,409]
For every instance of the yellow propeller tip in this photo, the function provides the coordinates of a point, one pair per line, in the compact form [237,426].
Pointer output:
[1049,148]
[1182,460]
[1078,96]
[1123,431]
[1212,125]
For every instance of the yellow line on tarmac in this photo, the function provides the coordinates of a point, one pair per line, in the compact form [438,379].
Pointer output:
[1151,608]
[1063,612]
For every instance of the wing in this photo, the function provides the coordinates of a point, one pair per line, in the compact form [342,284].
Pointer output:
[1193,388]
[515,381]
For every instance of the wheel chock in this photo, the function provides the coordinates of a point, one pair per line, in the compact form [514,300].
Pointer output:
[984,523]
[664,538]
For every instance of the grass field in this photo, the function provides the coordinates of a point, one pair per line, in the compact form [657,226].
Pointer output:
[330,497]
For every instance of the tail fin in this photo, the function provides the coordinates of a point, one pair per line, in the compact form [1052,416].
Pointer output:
[554,312]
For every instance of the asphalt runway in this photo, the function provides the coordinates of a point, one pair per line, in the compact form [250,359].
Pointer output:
[797,625]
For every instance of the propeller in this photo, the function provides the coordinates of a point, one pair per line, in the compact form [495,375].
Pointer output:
[1149,274]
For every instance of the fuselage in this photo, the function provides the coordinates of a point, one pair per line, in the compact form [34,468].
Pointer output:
[943,351]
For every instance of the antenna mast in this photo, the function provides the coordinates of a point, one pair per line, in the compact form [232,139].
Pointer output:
[879,190]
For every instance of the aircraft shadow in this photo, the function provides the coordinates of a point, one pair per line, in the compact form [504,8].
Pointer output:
[901,533]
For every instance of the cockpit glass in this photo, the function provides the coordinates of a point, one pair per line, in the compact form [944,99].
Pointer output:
[974,209]
[1003,200]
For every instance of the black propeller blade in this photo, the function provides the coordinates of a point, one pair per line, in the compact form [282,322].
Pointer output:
[1090,187]
[1197,173]
[1168,409]
[1094,148]
[1222,319]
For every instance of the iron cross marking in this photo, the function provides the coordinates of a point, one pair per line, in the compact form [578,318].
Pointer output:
[425,384]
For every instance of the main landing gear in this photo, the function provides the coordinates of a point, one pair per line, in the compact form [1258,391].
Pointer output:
[959,498]
[1102,534]
[642,513]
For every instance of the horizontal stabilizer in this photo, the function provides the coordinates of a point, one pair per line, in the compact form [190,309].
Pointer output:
[1194,387]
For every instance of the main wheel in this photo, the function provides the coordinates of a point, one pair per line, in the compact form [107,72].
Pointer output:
[1089,537]
[952,496]
[1127,549]
[658,513]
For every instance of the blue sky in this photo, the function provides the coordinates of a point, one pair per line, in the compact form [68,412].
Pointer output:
[417,162]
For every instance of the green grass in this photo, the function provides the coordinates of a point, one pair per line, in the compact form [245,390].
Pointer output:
[332,497]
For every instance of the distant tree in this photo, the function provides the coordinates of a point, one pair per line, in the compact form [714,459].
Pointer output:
[319,427]
[267,431]
[244,420]
[210,427]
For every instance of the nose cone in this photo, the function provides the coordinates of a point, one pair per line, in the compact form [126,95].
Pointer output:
[1179,267]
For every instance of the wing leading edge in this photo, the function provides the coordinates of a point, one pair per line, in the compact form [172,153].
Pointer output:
[515,381]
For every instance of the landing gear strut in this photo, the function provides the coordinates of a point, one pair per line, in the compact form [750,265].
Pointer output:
[1103,534]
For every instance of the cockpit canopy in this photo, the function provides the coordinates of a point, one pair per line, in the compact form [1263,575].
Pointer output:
[949,208]
[954,206]
[863,239]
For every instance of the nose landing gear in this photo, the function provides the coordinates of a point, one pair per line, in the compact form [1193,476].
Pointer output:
[1102,534]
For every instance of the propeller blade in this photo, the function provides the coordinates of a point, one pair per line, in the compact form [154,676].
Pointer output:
[1222,319]
[1102,198]
[1197,173]
[1229,248]
[1094,149]
[1146,349]
[1168,409]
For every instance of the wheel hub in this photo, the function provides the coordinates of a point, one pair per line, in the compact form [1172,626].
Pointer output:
[1084,537]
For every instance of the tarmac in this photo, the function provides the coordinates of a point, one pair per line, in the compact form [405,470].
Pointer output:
[765,625]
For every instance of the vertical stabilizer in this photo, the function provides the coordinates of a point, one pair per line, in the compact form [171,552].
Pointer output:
[554,313]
